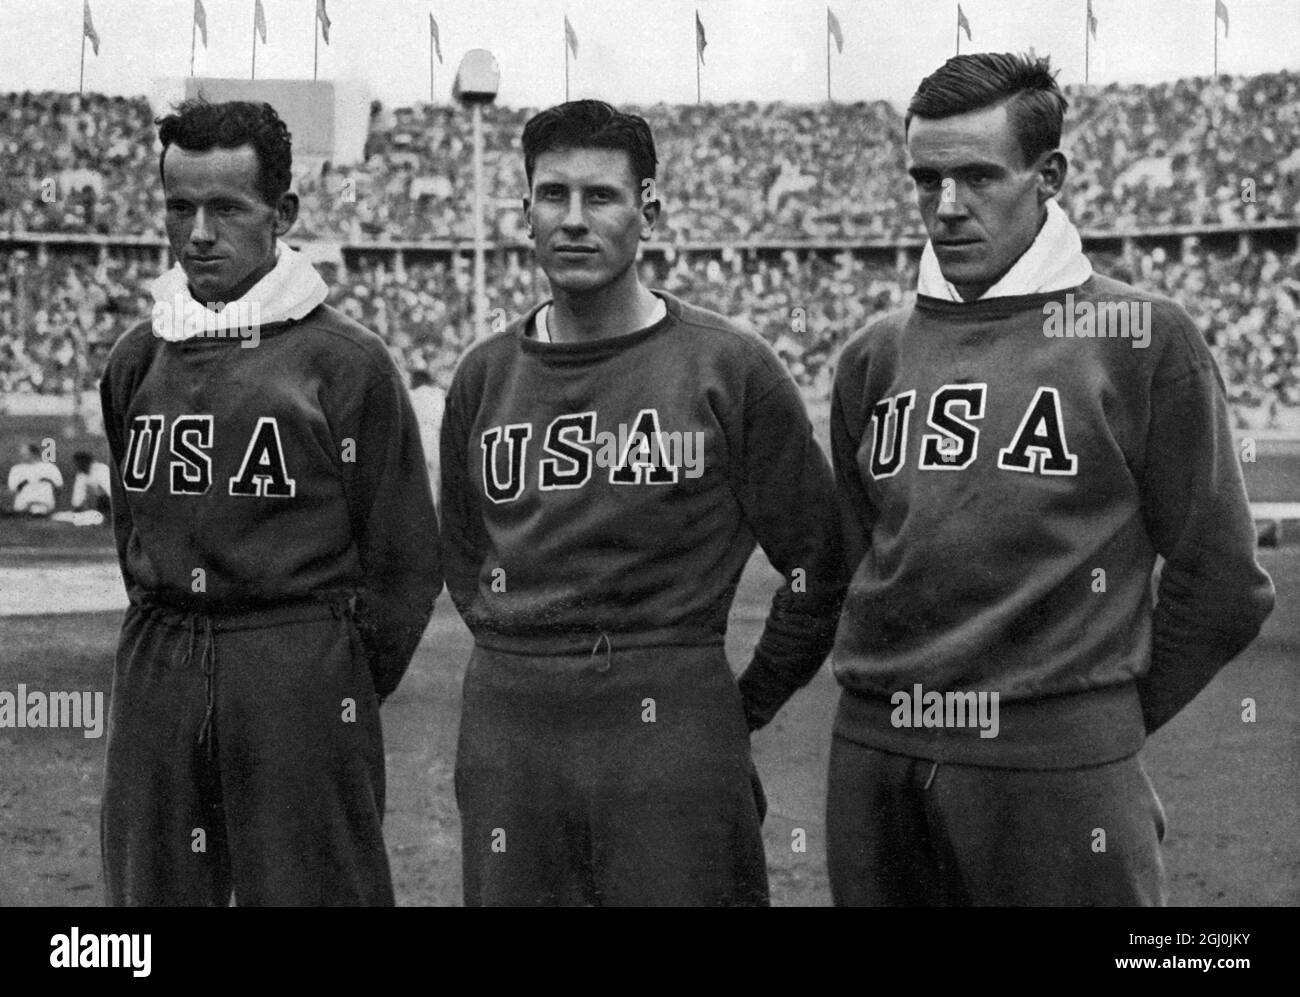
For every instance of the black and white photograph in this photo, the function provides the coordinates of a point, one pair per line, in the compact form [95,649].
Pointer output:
[651,453]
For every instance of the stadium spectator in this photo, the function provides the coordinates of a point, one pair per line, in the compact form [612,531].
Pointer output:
[33,483]
[91,487]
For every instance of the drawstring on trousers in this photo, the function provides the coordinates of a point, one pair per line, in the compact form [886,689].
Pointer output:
[929,779]
[208,661]
[609,652]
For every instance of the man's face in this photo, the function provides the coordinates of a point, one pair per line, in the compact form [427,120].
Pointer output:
[220,229]
[981,203]
[587,216]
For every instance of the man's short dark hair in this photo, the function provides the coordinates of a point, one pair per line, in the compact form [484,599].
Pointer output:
[82,459]
[197,126]
[973,82]
[590,124]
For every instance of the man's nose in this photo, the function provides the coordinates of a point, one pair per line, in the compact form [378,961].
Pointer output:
[202,232]
[574,217]
[950,205]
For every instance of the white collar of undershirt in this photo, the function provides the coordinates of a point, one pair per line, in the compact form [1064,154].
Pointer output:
[542,321]
[1053,262]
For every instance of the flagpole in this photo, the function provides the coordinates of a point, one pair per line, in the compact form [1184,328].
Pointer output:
[959,30]
[1216,42]
[81,80]
[566,64]
[252,74]
[193,28]
[697,57]
[315,46]
[431,99]
[828,57]
[1087,23]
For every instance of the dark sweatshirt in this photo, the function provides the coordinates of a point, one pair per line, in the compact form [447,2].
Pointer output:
[1012,550]
[245,478]
[557,540]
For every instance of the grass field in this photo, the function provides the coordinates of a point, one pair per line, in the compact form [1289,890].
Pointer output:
[1231,790]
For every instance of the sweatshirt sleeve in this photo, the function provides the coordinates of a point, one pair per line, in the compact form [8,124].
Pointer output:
[787,494]
[396,531]
[464,538]
[112,408]
[847,425]
[1213,596]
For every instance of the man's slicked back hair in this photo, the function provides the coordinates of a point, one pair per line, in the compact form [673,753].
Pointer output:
[1036,106]
[590,124]
[197,125]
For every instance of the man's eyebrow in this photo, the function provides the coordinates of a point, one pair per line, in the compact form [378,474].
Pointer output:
[595,187]
[971,167]
[212,198]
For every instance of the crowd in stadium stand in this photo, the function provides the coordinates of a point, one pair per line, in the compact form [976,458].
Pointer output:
[1192,152]
[1247,307]
[1187,152]
[78,163]
[68,312]
[62,316]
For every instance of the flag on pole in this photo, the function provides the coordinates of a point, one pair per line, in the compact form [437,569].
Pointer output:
[201,20]
[88,27]
[833,26]
[259,19]
[570,38]
[700,40]
[1221,12]
[1092,20]
[433,33]
[962,23]
[324,19]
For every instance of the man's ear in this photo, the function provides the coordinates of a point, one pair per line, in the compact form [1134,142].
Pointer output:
[649,215]
[286,213]
[1052,169]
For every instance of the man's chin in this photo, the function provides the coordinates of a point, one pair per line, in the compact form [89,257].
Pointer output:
[207,289]
[964,272]
[204,289]
[571,282]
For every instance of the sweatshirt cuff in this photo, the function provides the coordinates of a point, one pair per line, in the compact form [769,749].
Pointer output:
[765,688]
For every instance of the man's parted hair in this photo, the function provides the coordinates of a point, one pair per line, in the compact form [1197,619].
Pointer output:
[197,125]
[973,82]
[590,124]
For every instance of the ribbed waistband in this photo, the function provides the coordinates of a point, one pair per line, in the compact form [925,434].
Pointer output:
[593,640]
[247,618]
[1054,732]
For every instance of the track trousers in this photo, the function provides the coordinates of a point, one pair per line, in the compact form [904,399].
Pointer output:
[620,778]
[244,754]
[905,831]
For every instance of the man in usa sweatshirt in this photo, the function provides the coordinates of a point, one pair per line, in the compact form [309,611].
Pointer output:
[278,543]
[1012,452]
[609,462]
